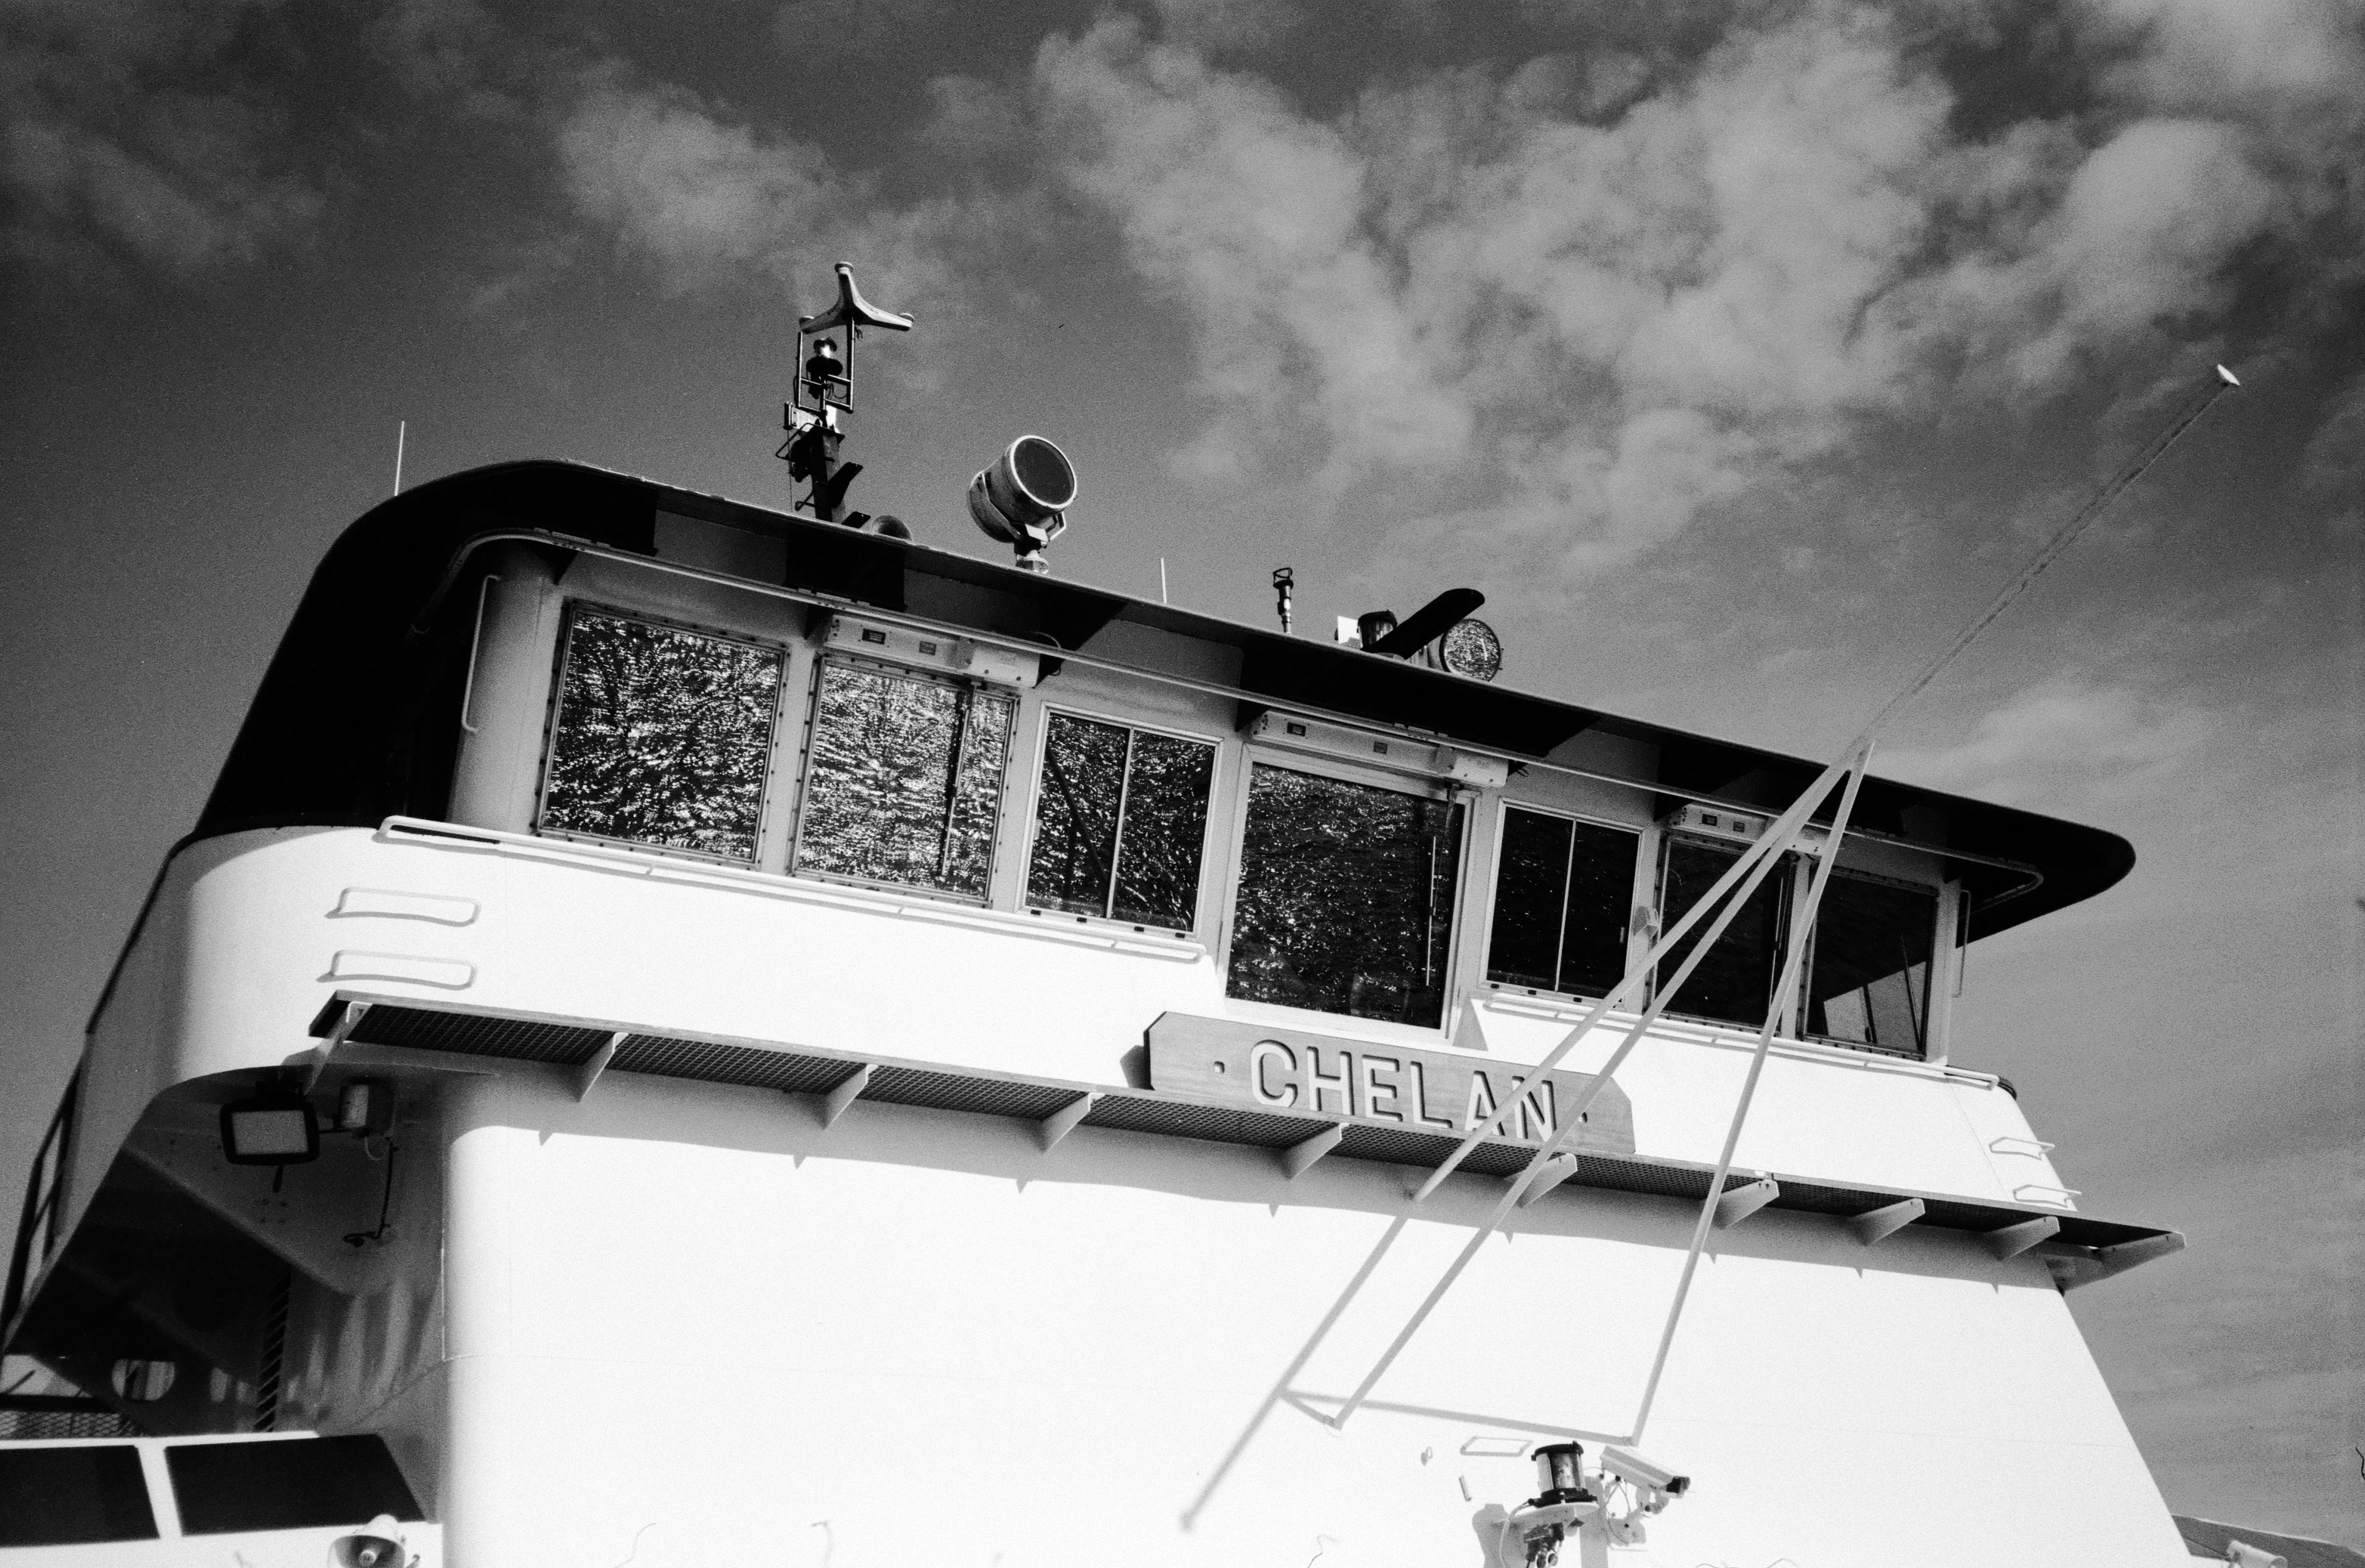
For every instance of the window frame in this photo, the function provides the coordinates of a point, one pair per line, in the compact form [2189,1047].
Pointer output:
[1931,1049]
[767,800]
[1788,881]
[823,662]
[1045,713]
[1645,853]
[1418,782]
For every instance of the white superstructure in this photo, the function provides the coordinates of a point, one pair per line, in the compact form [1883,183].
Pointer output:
[768,1180]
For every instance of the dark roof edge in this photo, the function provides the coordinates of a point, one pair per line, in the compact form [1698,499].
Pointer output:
[386,567]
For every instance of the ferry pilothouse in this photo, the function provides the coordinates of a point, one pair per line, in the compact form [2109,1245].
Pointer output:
[694,1033]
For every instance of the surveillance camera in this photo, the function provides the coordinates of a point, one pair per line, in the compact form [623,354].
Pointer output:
[1640,1472]
[2242,1554]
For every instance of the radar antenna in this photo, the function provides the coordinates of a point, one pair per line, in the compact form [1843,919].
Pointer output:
[824,391]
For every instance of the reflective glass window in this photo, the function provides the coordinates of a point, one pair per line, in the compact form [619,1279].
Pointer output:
[69,1496]
[1120,823]
[1868,984]
[294,1483]
[903,784]
[1346,897]
[1734,984]
[662,736]
[1562,892]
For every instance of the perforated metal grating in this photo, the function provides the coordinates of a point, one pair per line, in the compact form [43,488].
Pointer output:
[959,1091]
[432,1027]
[750,1067]
[515,1039]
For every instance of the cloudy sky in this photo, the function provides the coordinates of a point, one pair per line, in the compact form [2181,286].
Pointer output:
[1738,351]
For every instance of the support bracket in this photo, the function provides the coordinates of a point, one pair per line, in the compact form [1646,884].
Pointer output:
[849,1089]
[1298,1156]
[1064,1121]
[1737,1204]
[1876,1225]
[2012,1240]
[318,1062]
[589,1073]
[1558,1168]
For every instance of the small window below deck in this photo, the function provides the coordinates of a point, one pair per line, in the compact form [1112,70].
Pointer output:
[1562,892]
[73,1497]
[903,784]
[1734,984]
[1868,984]
[1346,898]
[295,1483]
[1120,823]
[662,736]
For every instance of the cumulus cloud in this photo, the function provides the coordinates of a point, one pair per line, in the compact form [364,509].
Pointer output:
[706,198]
[2063,740]
[126,140]
[1570,311]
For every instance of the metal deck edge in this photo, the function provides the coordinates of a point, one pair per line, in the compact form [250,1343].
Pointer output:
[2081,1249]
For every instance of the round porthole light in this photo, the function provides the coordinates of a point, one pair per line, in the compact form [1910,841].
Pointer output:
[1471,648]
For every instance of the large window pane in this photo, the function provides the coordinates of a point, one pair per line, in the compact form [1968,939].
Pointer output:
[300,1484]
[69,1496]
[1869,983]
[904,782]
[1346,898]
[1561,893]
[1120,823]
[662,736]
[1165,831]
[1735,982]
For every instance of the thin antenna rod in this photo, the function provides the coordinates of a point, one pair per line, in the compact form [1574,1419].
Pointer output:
[2129,472]
[401,431]
[1162,581]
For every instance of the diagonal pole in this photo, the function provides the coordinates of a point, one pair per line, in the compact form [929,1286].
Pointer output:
[1753,865]
[1793,967]
[1573,1119]
[1784,831]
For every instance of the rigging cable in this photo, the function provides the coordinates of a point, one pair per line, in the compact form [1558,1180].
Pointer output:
[1850,763]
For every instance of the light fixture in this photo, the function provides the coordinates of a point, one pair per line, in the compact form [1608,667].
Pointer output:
[1470,647]
[365,1107]
[1023,498]
[1560,1476]
[274,1127]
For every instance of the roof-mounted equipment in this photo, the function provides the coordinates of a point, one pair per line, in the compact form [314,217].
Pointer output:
[824,391]
[1023,500]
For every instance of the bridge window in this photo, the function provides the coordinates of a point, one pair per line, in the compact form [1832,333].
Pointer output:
[1868,977]
[1120,823]
[1734,984]
[904,782]
[1346,898]
[662,736]
[1561,893]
